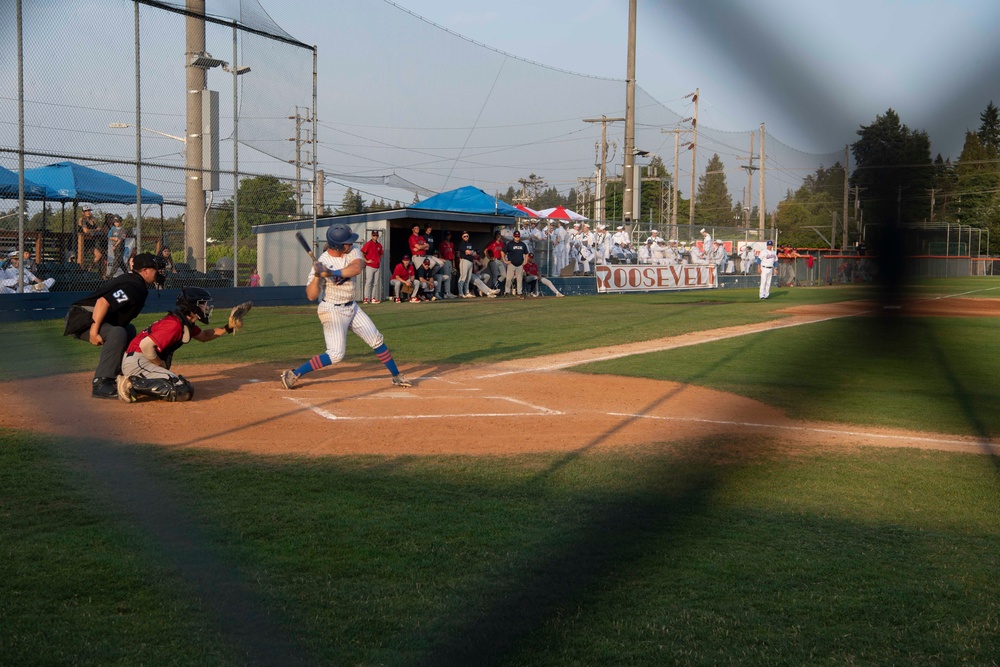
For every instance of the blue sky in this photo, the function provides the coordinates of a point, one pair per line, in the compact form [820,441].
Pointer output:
[812,71]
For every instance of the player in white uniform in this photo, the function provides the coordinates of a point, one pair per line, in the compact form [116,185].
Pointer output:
[9,277]
[331,280]
[768,258]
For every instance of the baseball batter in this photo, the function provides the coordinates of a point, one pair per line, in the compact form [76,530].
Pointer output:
[768,258]
[331,280]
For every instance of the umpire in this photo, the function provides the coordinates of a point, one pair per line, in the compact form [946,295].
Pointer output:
[105,318]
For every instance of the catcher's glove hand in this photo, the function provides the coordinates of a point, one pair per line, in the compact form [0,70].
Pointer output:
[237,314]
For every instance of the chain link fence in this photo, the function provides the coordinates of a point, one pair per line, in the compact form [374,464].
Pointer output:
[117,114]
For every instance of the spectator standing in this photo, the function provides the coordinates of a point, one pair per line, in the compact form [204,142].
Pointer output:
[466,260]
[747,262]
[254,280]
[93,240]
[447,254]
[560,247]
[418,246]
[514,254]
[116,244]
[372,252]
[706,243]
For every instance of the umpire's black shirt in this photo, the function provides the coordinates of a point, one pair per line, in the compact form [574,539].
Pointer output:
[126,295]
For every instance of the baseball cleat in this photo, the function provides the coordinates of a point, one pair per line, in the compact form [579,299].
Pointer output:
[288,379]
[374,301]
[125,389]
[401,381]
[104,388]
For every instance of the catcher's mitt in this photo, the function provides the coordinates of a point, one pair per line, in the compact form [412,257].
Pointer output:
[237,314]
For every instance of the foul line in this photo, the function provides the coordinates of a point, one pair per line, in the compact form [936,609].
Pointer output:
[769,326]
[811,429]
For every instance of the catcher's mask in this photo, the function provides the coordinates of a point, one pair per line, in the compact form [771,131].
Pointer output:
[195,300]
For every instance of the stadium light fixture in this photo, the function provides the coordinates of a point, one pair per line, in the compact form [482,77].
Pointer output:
[120,126]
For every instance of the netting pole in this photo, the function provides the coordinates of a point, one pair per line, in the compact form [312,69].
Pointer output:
[236,164]
[138,139]
[315,147]
[20,150]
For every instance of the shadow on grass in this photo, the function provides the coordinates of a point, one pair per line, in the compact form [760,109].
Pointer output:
[243,618]
[610,541]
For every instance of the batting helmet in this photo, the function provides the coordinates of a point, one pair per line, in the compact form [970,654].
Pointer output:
[195,300]
[340,235]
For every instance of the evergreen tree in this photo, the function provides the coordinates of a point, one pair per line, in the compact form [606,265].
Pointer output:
[977,182]
[893,165]
[263,200]
[351,203]
[713,204]
[989,130]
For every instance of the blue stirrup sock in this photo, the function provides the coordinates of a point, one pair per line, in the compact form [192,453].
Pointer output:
[385,356]
[317,362]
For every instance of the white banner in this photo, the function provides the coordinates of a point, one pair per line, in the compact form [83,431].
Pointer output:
[617,278]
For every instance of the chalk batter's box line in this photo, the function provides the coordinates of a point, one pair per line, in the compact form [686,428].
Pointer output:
[989,445]
[538,412]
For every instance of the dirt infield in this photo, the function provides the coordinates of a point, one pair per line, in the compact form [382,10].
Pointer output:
[529,405]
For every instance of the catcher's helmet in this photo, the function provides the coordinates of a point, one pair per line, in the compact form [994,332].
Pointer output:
[195,300]
[340,235]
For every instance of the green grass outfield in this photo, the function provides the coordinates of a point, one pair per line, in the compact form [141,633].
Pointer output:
[134,555]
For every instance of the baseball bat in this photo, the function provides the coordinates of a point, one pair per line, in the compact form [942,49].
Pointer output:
[305,246]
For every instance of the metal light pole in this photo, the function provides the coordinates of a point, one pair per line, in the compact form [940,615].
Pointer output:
[236,71]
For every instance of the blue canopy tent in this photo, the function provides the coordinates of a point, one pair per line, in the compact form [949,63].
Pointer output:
[9,187]
[69,182]
[72,182]
[469,199]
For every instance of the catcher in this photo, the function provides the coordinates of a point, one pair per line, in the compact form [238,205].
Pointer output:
[146,365]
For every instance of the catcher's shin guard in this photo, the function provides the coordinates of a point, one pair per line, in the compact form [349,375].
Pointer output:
[174,390]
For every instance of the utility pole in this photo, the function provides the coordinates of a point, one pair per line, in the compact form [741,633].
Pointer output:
[300,120]
[526,185]
[628,177]
[694,153]
[196,79]
[602,171]
[750,168]
[932,191]
[760,197]
[847,162]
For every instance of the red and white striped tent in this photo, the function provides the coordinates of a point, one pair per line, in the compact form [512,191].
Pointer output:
[530,211]
[560,213]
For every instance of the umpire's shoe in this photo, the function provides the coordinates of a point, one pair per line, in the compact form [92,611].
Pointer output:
[105,388]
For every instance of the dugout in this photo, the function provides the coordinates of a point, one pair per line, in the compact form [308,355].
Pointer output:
[282,261]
